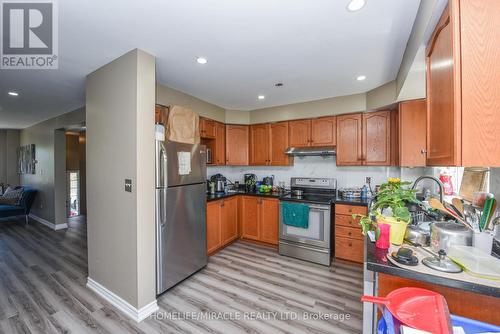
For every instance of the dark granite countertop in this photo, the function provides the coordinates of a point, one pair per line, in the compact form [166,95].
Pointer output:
[353,201]
[214,197]
[376,260]
[337,200]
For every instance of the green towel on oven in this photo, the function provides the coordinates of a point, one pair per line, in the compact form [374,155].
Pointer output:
[295,214]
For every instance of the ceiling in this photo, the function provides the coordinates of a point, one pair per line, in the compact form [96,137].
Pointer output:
[316,48]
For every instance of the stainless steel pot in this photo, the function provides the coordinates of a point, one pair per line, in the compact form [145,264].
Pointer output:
[416,235]
[297,192]
[446,234]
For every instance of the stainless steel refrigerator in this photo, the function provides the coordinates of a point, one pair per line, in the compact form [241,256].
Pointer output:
[180,212]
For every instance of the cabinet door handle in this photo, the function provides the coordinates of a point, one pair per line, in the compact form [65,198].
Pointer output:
[350,244]
[423,151]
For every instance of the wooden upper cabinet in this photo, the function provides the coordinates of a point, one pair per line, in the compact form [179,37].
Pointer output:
[323,131]
[299,133]
[229,220]
[207,128]
[259,144]
[214,211]
[278,144]
[463,99]
[349,140]
[269,220]
[250,217]
[377,138]
[411,133]
[480,75]
[219,156]
[237,144]
[443,126]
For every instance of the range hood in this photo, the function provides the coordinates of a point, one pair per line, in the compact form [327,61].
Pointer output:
[311,151]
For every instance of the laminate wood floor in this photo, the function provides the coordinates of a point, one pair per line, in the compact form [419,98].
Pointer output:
[245,288]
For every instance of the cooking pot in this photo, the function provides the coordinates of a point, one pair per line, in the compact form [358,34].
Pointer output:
[297,192]
[417,235]
[446,234]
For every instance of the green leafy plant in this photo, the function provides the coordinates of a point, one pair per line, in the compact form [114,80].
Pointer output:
[393,194]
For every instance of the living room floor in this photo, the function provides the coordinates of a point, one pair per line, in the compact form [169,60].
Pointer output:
[245,288]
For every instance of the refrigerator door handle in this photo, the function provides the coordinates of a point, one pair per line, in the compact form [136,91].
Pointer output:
[164,167]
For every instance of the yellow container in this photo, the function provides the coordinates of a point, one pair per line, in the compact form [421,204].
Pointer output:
[397,231]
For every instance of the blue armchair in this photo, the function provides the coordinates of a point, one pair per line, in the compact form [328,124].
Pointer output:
[24,207]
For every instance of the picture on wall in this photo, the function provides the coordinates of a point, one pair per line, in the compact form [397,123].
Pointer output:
[26,159]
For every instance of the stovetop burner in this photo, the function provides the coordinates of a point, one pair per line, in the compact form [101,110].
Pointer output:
[314,190]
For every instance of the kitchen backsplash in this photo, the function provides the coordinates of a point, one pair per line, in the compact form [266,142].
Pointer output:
[320,167]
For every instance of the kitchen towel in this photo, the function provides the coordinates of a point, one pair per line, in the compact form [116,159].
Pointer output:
[295,214]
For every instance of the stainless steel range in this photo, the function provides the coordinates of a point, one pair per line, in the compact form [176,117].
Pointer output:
[314,242]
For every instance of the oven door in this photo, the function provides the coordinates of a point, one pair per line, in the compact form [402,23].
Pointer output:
[318,232]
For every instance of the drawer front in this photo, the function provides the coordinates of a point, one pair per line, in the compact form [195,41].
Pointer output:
[343,209]
[349,249]
[347,221]
[348,232]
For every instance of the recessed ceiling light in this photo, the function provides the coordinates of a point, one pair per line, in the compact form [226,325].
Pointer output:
[261,97]
[201,60]
[278,84]
[13,94]
[355,5]
[361,77]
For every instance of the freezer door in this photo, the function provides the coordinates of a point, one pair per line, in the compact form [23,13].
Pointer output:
[160,165]
[182,244]
[197,154]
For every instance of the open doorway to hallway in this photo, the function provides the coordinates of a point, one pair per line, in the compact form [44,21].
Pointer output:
[76,172]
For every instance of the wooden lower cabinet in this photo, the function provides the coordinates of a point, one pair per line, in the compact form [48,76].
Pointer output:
[214,215]
[222,223]
[349,242]
[462,303]
[229,220]
[259,219]
[250,217]
[269,220]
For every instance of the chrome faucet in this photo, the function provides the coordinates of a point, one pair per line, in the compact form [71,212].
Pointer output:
[440,184]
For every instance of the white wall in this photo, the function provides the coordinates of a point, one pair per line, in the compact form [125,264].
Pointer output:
[320,167]
[43,136]
[120,100]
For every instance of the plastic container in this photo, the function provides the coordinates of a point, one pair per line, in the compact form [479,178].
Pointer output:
[483,241]
[397,231]
[471,326]
[383,239]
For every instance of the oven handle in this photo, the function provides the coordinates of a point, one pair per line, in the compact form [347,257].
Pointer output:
[315,207]
[316,249]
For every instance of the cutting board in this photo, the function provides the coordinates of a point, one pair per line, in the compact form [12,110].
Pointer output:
[474,179]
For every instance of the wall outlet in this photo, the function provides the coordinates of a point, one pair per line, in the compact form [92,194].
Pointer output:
[128,185]
[368,180]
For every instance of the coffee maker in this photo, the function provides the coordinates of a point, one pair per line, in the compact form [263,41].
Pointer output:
[250,183]
[220,182]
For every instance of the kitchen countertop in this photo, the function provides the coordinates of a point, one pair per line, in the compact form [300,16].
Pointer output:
[214,197]
[337,200]
[376,261]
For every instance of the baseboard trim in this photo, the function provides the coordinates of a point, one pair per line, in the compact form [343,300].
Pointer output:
[51,225]
[135,314]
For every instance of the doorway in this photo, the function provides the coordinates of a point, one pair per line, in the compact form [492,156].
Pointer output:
[73,182]
[75,172]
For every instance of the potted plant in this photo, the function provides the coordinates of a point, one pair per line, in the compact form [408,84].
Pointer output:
[390,207]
